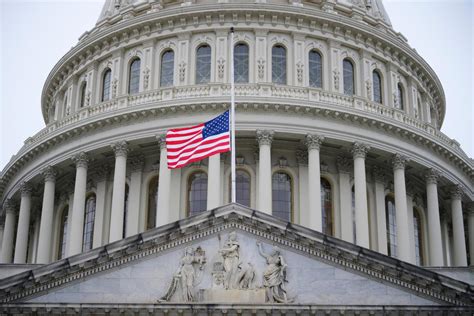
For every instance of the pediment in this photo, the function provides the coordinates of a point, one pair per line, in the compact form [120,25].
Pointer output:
[195,261]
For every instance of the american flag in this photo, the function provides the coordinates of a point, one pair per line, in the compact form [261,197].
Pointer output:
[189,144]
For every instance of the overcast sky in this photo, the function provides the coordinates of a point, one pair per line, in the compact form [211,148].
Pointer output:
[34,35]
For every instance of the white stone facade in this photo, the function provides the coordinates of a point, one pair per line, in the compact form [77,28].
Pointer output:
[112,150]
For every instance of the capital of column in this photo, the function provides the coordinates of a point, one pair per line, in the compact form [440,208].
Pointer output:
[456,192]
[9,206]
[137,163]
[359,150]
[120,148]
[399,161]
[265,137]
[81,159]
[302,157]
[432,176]
[49,174]
[161,141]
[25,189]
[313,141]
[378,174]
[344,164]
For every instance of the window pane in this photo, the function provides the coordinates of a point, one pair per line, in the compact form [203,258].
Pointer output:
[242,187]
[315,69]
[152,202]
[279,64]
[167,69]
[348,77]
[197,193]
[400,103]
[391,226]
[203,64]
[134,77]
[326,206]
[241,63]
[106,85]
[89,216]
[281,195]
[377,81]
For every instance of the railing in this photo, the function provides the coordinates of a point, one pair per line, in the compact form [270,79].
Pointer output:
[251,90]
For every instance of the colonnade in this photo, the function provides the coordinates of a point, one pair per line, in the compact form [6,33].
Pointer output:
[313,211]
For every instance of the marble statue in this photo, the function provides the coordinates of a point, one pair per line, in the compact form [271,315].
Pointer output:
[274,277]
[230,254]
[186,277]
[246,277]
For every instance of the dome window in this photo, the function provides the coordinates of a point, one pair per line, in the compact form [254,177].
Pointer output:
[282,196]
[134,76]
[106,77]
[377,84]
[241,63]
[167,69]
[315,69]
[203,64]
[279,64]
[348,77]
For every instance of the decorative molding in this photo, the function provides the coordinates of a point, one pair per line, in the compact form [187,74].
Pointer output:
[359,150]
[336,76]
[261,68]
[313,141]
[220,67]
[456,192]
[302,157]
[120,148]
[265,137]
[379,174]
[136,163]
[80,160]
[432,176]
[399,161]
[182,71]
[26,189]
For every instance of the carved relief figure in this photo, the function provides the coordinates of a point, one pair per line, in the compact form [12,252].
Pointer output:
[274,277]
[186,277]
[230,254]
[246,278]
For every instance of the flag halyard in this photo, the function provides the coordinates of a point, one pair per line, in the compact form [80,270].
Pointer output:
[191,144]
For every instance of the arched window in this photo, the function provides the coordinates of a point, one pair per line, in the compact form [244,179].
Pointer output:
[63,233]
[391,225]
[82,101]
[400,99]
[242,187]
[106,77]
[279,64]
[89,215]
[167,69]
[125,212]
[203,64]
[377,83]
[152,203]
[241,63]
[417,227]
[197,193]
[315,69]
[134,76]
[326,206]
[282,196]
[348,76]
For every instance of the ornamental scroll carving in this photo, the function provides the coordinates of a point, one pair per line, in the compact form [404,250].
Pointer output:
[360,150]
[336,79]
[261,68]
[399,161]
[264,137]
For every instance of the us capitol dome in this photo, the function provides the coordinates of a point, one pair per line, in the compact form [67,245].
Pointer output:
[341,167]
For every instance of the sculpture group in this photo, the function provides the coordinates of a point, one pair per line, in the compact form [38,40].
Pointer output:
[230,273]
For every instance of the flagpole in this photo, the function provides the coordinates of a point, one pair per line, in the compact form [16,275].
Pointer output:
[232,115]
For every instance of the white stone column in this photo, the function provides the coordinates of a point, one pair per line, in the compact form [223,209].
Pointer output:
[445,239]
[460,256]
[344,166]
[302,159]
[164,183]
[401,213]
[118,193]
[47,216]
[214,182]
[264,139]
[21,245]
[8,231]
[379,180]
[410,188]
[78,206]
[359,152]
[2,227]
[434,226]
[100,178]
[134,195]
[313,142]
[470,227]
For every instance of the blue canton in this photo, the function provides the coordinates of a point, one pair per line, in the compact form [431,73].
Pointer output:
[216,126]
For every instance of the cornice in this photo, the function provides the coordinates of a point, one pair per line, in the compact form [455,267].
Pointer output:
[151,110]
[382,41]
[332,251]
